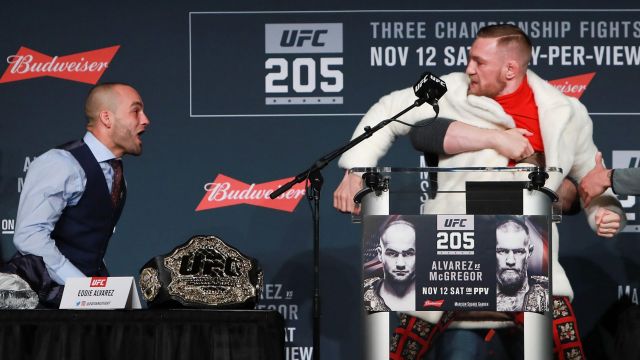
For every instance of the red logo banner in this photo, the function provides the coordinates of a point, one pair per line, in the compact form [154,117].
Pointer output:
[86,67]
[574,85]
[226,191]
[433,303]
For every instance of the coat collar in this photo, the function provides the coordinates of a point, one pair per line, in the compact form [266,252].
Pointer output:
[555,112]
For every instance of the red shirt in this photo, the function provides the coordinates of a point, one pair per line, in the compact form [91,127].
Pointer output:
[522,107]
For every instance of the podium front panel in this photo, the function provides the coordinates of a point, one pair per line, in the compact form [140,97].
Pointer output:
[484,191]
[456,262]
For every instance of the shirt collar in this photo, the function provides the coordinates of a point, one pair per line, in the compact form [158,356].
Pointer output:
[99,151]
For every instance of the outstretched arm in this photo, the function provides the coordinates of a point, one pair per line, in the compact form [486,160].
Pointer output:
[604,212]
[443,136]
[621,181]
[595,182]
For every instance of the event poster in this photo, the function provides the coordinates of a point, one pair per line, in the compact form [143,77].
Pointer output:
[456,262]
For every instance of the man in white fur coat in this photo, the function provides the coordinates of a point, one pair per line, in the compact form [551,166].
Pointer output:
[503,114]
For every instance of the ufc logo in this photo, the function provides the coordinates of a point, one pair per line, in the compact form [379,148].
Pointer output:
[209,262]
[297,38]
[98,282]
[454,222]
[311,38]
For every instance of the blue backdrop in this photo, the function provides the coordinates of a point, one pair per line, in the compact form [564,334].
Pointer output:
[257,91]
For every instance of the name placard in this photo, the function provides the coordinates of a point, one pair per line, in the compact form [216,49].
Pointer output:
[100,293]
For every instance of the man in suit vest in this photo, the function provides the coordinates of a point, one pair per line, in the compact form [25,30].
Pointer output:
[74,194]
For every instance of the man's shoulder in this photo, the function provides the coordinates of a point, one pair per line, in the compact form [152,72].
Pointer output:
[371,283]
[537,298]
[543,89]
[550,98]
[58,160]
[54,154]
[539,280]
[372,299]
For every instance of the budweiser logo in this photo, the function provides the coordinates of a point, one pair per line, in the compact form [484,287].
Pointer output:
[574,85]
[433,303]
[226,191]
[86,67]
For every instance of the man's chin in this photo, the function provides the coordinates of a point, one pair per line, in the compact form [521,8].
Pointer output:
[510,289]
[403,279]
[510,286]
[510,277]
[137,151]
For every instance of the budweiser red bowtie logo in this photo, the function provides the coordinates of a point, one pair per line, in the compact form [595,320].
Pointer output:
[86,67]
[226,191]
[433,303]
[574,85]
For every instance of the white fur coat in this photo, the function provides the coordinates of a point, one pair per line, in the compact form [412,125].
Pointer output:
[566,132]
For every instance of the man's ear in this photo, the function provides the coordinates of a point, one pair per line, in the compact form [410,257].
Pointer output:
[379,251]
[512,69]
[105,117]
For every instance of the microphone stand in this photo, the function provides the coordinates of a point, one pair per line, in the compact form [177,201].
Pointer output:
[315,179]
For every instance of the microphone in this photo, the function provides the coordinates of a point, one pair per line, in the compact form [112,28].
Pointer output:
[429,89]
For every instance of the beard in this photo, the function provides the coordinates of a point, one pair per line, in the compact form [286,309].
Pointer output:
[510,281]
[490,89]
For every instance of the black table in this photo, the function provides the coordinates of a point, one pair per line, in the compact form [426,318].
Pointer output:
[141,334]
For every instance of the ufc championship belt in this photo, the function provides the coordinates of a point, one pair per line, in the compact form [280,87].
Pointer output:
[202,273]
[537,298]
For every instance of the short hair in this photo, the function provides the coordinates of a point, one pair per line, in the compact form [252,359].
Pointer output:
[507,35]
[96,94]
[502,222]
[393,220]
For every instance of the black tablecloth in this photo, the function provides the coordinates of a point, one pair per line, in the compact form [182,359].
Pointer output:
[141,334]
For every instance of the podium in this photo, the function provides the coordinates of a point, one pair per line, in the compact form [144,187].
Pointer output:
[471,191]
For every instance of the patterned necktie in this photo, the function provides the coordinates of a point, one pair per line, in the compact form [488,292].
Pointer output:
[118,179]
